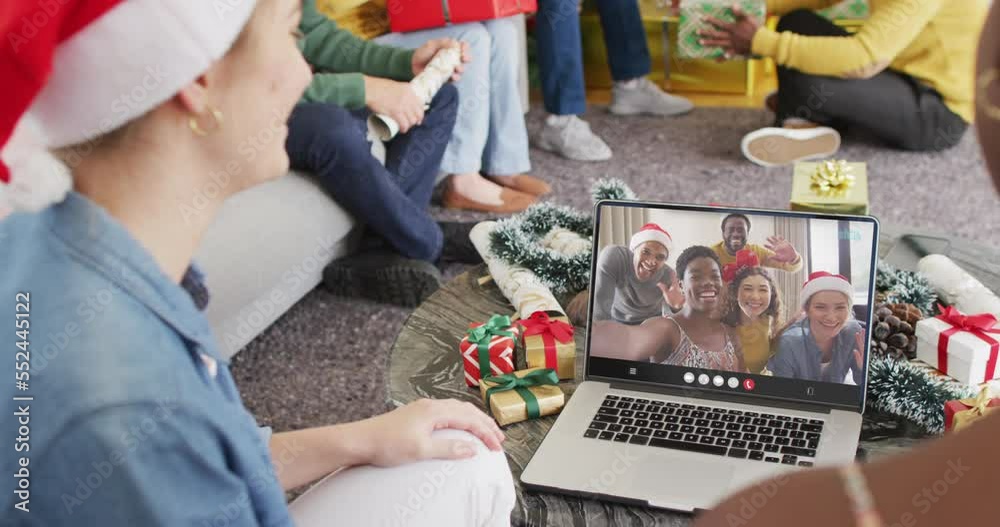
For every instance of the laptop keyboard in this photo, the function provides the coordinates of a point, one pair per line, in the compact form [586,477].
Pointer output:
[765,437]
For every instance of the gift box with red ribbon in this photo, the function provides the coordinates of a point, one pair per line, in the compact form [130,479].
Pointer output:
[964,347]
[548,343]
[963,412]
[413,15]
[488,349]
[744,258]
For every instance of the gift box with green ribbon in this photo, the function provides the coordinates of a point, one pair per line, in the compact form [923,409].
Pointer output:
[488,349]
[522,395]
[549,343]
[847,10]
[830,186]
[692,20]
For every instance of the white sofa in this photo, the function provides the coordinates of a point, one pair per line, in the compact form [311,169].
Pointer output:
[269,245]
[265,251]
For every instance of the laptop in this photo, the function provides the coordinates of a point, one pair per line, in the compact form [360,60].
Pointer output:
[678,424]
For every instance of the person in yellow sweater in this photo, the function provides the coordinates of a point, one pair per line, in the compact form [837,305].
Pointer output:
[905,77]
[777,253]
[753,308]
[487,154]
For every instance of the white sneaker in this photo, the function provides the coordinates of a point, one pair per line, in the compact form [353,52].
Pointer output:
[571,137]
[646,98]
[773,146]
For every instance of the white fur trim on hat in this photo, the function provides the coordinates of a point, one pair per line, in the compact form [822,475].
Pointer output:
[119,67]
[824,281]
[651,232]
[37,178]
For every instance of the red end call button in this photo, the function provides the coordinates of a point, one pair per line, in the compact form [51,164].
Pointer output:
[748,384]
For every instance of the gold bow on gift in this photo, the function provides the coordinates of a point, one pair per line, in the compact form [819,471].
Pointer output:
[980,405]
[832,178]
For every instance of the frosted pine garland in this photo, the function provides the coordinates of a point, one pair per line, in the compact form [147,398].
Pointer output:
[612,188]
[517,240]
[906,287]
[905,390]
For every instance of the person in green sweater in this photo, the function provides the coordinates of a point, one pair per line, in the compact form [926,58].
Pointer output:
[327,136]
[905,77]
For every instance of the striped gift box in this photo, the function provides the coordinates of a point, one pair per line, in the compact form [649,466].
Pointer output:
[501,352]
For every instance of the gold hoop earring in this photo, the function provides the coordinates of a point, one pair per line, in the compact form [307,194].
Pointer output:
[982,98]
[198,130]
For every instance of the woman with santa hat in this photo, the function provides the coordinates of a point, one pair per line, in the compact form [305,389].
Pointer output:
[130,414]
[827,343]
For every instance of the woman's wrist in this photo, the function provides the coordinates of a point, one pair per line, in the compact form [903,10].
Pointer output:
[352,443]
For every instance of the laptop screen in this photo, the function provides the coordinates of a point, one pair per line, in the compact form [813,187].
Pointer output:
[764,303]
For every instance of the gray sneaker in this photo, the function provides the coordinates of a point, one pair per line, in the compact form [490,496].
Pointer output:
[572,140]
[646,98]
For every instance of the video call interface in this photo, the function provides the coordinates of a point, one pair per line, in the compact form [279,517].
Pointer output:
[770,295]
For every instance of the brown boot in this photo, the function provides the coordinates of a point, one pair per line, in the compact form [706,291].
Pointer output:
[511,201]
[523,183]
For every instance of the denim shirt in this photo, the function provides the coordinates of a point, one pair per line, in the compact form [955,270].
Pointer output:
[135,418]
[799,357]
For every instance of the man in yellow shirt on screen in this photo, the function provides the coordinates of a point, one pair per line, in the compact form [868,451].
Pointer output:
[905,77]
[777,253]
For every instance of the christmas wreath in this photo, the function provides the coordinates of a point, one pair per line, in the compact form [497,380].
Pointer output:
[518,240]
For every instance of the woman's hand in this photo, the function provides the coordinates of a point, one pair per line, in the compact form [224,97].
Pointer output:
[394,99]
[859,349]
[672,294]
[735,38]
[404,435]
[423,55]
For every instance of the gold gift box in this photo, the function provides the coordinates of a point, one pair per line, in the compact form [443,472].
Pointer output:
[850,200]
[509,407]
[701,75]
[534,353]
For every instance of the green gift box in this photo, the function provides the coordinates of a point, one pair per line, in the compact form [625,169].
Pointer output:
[692,20]
[844,199]
[847,10]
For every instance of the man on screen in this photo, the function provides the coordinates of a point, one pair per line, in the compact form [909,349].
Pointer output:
[777,253]
[635,283]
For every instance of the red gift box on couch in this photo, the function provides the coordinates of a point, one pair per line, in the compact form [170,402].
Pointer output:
[412,15]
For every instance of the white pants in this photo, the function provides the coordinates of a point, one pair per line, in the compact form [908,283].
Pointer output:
[473,492]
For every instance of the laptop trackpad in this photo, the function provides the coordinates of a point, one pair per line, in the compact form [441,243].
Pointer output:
[678,483]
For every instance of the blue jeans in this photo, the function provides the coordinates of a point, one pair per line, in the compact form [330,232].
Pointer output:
[490,135]
[560,56]
[392,201]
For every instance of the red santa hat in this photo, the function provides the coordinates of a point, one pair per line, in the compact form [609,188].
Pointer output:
[74,70]
[651,232]
[824,281]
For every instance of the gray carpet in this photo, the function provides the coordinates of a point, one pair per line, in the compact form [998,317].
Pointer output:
[325,360]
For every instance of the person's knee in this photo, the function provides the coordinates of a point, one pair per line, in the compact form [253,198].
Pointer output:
[328,121]
[446,99]
[485,478]
[797,21]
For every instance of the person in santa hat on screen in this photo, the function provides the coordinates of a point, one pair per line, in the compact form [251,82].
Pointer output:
[827,343]
[635,283]
[129,414]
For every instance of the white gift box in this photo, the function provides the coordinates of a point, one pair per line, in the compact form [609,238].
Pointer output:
[967,354]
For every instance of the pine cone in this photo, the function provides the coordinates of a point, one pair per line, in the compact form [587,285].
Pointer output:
[892,334]
[906,312]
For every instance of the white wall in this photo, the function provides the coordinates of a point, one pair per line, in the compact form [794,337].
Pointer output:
[689,228]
